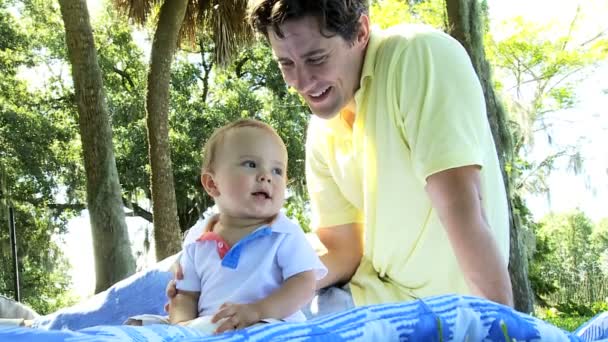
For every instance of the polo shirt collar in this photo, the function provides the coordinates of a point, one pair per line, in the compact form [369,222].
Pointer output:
[230,257]
[369,63]
[367,73]
[280,224]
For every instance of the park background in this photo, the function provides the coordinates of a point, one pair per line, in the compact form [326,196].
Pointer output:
[549,70]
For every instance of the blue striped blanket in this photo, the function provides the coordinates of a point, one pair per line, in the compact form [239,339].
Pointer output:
[440,318]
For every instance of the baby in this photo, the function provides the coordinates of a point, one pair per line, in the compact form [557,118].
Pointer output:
[251,263]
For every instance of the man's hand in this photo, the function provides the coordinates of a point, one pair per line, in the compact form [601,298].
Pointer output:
[171,289]
[232,316]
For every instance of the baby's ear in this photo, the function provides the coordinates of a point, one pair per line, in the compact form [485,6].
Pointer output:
[209,184]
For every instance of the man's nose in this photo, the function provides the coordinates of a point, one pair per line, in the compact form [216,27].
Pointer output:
[301,79]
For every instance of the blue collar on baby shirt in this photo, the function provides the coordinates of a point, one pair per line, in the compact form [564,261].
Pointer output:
[280,225]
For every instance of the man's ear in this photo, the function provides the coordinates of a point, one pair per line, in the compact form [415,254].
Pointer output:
[364,30]
[209,184]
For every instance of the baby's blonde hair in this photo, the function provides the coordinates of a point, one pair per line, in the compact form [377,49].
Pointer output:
[210,148]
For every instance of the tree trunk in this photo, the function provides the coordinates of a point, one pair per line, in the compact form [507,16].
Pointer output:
[111,246]
[465,25]
[164,206]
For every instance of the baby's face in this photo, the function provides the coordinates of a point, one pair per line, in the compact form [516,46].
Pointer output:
[250,173]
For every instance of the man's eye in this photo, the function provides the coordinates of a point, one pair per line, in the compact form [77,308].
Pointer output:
[277,171]
[285,63]
[316,60]
[249,163]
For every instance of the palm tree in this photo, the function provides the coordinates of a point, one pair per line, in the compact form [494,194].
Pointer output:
[179,21]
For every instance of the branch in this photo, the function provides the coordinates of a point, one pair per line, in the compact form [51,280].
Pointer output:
[566,76]
[597,36]
[239,66]
[67,206]
[138,211]
[571,28]
[125,76]
[207,69]
[545,163]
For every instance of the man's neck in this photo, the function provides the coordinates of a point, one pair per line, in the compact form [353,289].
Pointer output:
[348,113]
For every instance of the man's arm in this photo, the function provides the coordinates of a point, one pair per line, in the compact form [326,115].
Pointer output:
[344,244]
[183,307]
[456,195]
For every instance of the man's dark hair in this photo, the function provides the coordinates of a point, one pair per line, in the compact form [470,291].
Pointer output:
[335,16]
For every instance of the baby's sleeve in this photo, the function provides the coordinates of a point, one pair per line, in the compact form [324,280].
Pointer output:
[296,255]
[191,281]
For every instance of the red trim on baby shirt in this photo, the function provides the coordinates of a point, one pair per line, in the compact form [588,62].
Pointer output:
[222,246]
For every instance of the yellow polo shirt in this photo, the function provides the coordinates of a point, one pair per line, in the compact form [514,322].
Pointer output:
[420,110]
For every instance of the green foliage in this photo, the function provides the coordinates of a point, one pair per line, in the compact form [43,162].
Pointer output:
[566,269]
[124,77]
[44,280]
[390,12]
[570,316]
[574,309]
[538,68]
[205,98]
[568,323]
[386,13]
[598,307]
[35,140]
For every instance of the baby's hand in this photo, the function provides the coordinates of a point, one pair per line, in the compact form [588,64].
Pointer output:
[232,316]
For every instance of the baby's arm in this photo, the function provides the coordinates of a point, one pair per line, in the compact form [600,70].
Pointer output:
[295,292]
[184,306]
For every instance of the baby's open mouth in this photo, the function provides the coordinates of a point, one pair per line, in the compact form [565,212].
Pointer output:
[263,194]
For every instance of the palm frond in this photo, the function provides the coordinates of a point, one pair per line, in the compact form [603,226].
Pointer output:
[192,20]
[136,10]
[227,20]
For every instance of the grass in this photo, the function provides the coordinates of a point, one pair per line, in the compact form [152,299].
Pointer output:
[568,323]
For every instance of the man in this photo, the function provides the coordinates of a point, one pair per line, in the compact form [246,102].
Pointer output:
[405,186]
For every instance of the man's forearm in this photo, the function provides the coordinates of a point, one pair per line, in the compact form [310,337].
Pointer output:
[339,270]
[456,195]
[483,266]
[344,249]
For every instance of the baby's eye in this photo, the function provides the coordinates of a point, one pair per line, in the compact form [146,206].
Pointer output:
[277,171]
[249,163]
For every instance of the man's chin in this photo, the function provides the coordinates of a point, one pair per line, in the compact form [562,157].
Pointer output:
[325,115]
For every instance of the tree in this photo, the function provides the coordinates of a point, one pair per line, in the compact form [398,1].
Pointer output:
[34,147]
[599,240]
[113,258]
[571,261]
[166,232]
[539,76]
[466,25]
[229,29]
